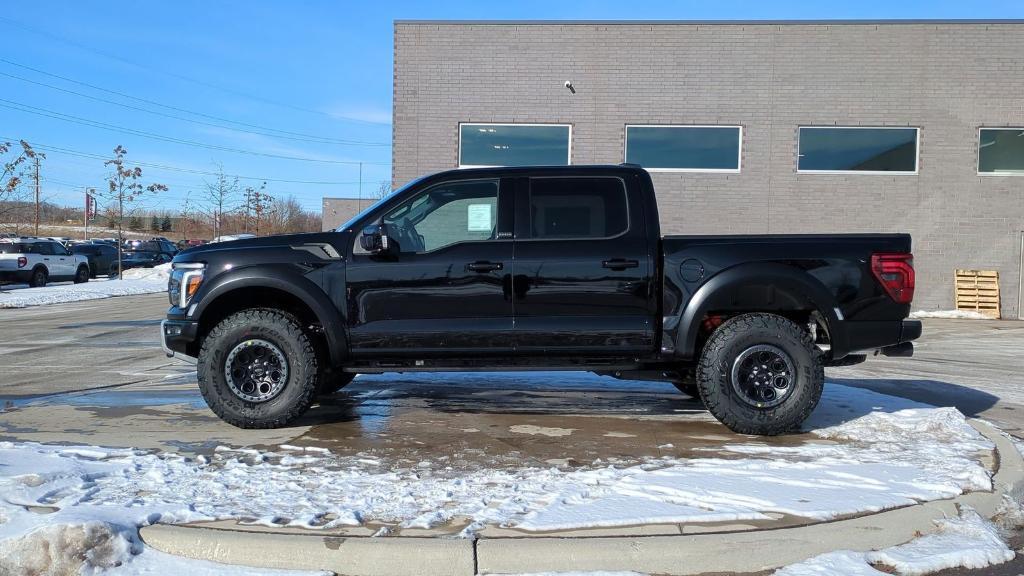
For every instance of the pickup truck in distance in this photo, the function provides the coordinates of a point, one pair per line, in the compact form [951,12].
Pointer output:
[536,268]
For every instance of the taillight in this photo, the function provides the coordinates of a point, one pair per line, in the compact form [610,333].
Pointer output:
[22,261]
[895,272]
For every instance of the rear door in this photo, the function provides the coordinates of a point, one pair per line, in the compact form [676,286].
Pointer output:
[583,277]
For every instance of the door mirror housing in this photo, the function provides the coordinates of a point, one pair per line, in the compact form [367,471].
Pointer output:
[374,239]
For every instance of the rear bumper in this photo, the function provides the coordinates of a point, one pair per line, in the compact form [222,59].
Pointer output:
[892,338]
[19,276]
[175,336]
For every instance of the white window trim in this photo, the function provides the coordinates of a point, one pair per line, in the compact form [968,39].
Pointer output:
[978,162]
[917,151]
[739,150]
[568,160]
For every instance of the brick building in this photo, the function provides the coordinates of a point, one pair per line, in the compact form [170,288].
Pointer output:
[748,127]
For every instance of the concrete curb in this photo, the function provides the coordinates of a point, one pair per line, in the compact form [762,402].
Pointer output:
[356,556]
[669,554]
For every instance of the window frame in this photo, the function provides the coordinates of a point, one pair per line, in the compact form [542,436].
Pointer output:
[917,151]
[977,164]
[458,152]
[739,148]
[528,199]
[357,249]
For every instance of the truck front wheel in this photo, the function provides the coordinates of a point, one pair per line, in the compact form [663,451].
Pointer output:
[258,369]
[760,374]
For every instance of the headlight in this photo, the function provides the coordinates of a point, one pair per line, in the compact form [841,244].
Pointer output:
[185,280]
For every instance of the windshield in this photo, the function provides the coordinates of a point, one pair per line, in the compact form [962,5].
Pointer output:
[376,205]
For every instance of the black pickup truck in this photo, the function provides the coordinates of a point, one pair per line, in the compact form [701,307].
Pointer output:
[536,268]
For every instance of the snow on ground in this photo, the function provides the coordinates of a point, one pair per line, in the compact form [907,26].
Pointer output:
[950,314]
[875,452]
[968,542]
[134,281]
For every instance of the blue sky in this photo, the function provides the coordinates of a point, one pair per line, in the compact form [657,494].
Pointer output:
[295,92]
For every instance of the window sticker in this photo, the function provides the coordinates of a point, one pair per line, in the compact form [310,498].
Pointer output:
[479,218]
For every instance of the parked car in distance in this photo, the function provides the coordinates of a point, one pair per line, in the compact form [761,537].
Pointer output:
[102,257]
[153,245]
[36,261]
[537,268]
[231,237]
[142,259]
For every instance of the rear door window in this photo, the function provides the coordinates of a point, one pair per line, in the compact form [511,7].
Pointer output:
[577,207]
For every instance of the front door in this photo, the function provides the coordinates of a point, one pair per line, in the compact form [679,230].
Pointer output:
[445,289]
[583,277]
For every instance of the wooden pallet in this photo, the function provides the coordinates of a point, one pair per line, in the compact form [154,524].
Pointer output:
[978,291]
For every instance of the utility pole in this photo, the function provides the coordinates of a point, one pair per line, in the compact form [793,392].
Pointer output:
[359,203]
[37,195]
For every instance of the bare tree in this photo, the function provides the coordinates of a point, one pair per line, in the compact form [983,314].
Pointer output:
[220,198]
[124,189]
[257,203]
[12,176]
[383,190]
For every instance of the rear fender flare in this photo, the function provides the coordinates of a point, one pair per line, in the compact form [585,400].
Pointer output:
[784,288]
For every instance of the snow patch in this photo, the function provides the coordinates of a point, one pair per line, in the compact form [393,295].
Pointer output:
[540,430]
[872,452]
[91,290]
[160,273]
[968,541]
[950,314]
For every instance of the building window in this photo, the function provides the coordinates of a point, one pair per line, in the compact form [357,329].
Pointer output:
[685,148]
[1001,151]
[857,150]
[514,144]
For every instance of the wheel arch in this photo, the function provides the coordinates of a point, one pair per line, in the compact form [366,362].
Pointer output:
[759,287]
[254,289]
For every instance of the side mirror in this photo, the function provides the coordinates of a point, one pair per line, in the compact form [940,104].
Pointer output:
[374,239]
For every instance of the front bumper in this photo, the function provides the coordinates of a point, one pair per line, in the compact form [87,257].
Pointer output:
[175,336]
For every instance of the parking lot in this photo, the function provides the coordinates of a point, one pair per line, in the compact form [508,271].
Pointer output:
[424,446]
[92,372]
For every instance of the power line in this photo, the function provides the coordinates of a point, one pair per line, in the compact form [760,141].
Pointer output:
[52,36]
[261,130]
[71,152]
[10,104]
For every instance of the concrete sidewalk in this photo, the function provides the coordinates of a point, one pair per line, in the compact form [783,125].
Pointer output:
[682,554]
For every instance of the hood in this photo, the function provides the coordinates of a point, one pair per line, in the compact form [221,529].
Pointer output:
[336,239]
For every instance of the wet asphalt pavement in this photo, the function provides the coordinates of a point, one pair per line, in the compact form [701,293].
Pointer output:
[93,373]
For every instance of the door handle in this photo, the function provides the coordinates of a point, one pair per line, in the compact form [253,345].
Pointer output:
[620,263]
[484,266]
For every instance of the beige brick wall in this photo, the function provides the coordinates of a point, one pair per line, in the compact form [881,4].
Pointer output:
[948,79]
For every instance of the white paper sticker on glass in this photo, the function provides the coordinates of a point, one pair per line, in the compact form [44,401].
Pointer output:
[479,218]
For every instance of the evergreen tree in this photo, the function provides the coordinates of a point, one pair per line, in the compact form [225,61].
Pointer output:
[134,223]
[165,224]
[154,224]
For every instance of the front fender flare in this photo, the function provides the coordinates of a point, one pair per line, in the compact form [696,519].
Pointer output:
[285,279]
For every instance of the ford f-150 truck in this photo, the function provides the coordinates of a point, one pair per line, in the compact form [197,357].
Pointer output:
[536,268]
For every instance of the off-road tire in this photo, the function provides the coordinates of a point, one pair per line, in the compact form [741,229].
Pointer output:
[714,374]
[82,274]
[333,381]
[285,332]
[38,278]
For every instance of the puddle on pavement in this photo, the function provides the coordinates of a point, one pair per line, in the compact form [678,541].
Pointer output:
[469,422]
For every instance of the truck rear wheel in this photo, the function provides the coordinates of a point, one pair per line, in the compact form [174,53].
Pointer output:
[760,374]
[258,369]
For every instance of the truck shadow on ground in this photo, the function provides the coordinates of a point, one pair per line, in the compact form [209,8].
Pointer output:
[380,397]
[969,401]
